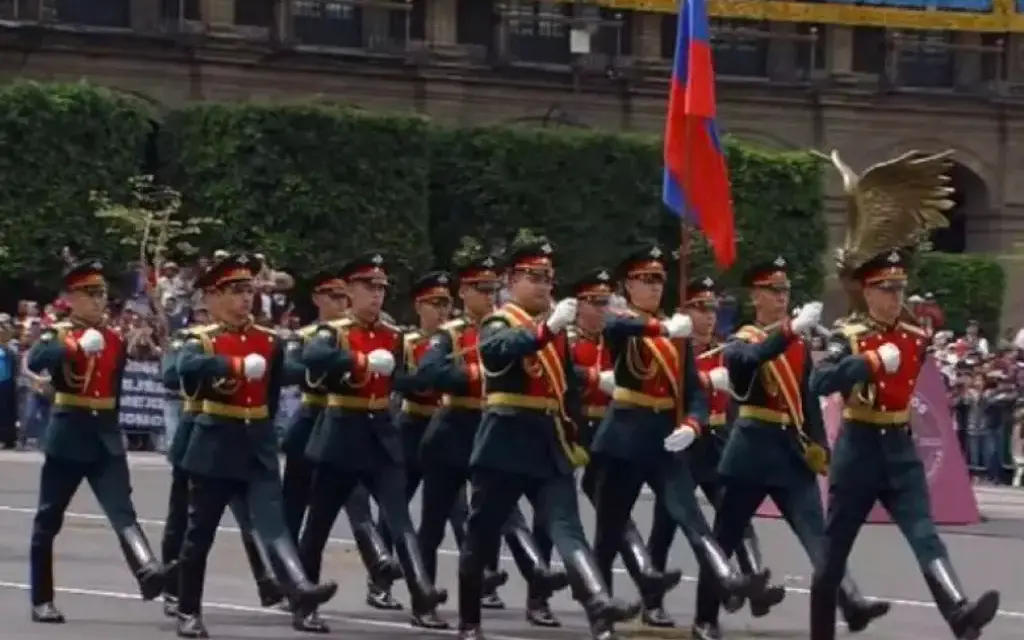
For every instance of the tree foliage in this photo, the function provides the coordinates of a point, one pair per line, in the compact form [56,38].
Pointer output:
[58,145]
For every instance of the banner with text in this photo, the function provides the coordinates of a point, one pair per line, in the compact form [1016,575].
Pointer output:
[142,398]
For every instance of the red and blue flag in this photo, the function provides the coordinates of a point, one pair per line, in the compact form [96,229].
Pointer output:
[696,178]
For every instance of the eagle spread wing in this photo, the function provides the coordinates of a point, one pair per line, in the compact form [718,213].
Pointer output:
[897,203]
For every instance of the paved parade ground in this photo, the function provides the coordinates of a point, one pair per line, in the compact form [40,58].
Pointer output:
[99,598]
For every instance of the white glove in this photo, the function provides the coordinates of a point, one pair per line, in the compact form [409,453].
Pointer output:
[808,318]
[254,366]
[678,326]
[606,381]
[719,378]
[380,361]
[562,315]
[91,342]
[889,354]
[681,438]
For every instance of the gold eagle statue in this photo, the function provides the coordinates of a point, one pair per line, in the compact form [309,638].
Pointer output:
[894,204]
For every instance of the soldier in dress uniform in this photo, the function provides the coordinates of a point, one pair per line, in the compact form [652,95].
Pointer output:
[700,303]
[432,300]
[778,444]
[357,442]
[332,303]
[177,500]
[874,360]
[84,358]
[658,407]
[235,370]
[451,365]
[528,440]
[594,364]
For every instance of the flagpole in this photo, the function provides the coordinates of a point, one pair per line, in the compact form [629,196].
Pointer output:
[684,229]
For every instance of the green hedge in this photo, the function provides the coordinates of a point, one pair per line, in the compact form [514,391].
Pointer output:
[305,184]
[311,184]
[967,286]
[58,144]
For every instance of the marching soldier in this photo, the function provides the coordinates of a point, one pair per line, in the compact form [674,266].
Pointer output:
[527,442]
[356,441]
[235,370]
[332,304]
[778,444]
[451,365]
[874,360]
[594,364]
[177,508]
[700,304]
[658,406]
[433,303]
[84,358]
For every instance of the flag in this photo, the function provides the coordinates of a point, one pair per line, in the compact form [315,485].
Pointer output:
[696,178]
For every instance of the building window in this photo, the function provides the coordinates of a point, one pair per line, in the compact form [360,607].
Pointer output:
[669,27]
[811,53]
[735,53]
[254,13]
[994,61]
[925,59]
[474,22]
[869,50]
[614,35]
[738,48]
[180,10]
[330,24]
[538,31]
[93,13]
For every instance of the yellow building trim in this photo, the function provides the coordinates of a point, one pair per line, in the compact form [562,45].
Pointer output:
[1003,18]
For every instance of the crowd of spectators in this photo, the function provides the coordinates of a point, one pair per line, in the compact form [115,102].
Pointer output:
[985,379]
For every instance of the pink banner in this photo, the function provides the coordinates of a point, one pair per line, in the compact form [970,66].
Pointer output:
[949,483]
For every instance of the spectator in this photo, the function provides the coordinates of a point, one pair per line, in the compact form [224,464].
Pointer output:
[8,385]
[997,400]
[975,341]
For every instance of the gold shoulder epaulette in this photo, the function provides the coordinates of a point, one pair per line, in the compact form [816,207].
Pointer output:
[391,326]
[853,329]
[56,330]
[202,329]
[340,323]
[264,329]
[749,332]
[499,315]
[454,325]
[412,337]
[308,330]
[914,329]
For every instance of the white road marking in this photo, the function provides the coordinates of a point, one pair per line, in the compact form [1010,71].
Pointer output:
[451,552]
[229,606]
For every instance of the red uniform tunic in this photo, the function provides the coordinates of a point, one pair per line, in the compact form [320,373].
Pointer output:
[591,357]
[365,390]
[718,401]
[782,379]
[417,403]
[465,337]
[890,394]
[94,378]
[237,396]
